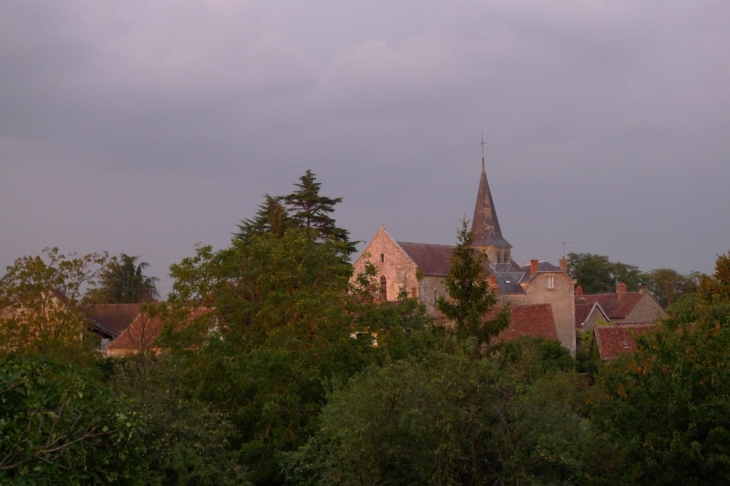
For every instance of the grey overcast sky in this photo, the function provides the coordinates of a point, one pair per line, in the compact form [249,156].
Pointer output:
[145,127]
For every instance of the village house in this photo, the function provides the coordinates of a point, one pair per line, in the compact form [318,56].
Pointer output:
[419,269]
[612,341]
[619,308]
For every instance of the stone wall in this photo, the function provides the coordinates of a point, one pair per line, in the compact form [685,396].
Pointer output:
[562,299]
[646,310]
[392,263]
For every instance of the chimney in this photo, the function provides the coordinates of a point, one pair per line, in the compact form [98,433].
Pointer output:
[534,266]
[620,290]
[493,284]
[579,291]
[563,262]
[644,290]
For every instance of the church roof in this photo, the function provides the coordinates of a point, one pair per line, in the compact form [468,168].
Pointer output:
[485,225]
[432,260]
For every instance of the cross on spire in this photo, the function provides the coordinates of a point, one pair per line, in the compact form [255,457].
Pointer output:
[483,143]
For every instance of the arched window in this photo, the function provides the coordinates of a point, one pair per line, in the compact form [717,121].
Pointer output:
[383,287]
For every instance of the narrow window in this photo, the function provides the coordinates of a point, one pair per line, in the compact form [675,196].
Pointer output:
[382,257]
[549,282]
[383,289]
[414,292]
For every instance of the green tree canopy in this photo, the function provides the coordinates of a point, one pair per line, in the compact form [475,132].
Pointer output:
[470,297]
[717,287]
[451,417]
[122,281]
[667,285]
[303,208]
[597,274]
[187,443]
[59,426]
[283,325]
[271,216]
[39,303]
[667,404]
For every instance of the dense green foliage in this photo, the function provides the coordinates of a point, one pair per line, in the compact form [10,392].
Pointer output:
[39,304]
[597,274]
[303,208]
[59,426]
[451,416]
[186,443]
[122,281]
[279,334]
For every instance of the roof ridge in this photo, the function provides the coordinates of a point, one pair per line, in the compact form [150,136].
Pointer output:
[424,244]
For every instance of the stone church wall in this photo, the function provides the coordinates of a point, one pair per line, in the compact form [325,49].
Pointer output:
[399,271]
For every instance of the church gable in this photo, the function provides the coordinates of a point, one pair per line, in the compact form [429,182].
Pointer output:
[396,270]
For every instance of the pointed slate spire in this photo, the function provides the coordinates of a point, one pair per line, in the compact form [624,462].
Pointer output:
[485,225]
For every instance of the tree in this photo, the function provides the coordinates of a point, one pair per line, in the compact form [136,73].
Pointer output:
[122,282]
[667,404]
[59,426]
[667,285]
[312,211]
[451,417]
[284,326]
[186,442]
[717,287]
[271,216]
[597,274]
[469,294]
[39,303]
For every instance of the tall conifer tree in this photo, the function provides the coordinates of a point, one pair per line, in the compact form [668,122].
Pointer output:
[469,294]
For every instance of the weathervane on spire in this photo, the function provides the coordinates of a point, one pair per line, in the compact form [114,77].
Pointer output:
[483,143]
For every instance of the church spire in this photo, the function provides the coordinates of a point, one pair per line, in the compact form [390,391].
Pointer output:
[485,225]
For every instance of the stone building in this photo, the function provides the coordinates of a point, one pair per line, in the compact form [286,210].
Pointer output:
[419,269]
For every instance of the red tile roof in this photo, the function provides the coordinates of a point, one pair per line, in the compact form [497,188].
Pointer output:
[144,331]
[535,320]
[583,311]
[139,335]
[615,340]
[611,305]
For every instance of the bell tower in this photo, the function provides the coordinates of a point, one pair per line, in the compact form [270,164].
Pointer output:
[485,225]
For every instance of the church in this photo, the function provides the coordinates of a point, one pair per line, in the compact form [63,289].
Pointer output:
[538,289]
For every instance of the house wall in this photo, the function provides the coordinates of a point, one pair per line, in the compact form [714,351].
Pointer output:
[562,300]
[398,269]
[646,310]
